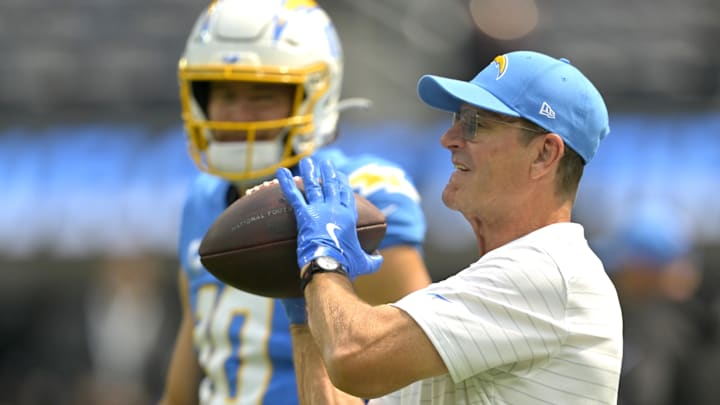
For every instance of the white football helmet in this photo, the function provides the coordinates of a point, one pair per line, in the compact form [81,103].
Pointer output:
[268,41]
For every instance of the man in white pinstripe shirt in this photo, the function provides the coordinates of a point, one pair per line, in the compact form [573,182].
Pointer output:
[535,320]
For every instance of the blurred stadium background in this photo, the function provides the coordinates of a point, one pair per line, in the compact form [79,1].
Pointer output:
[93,166]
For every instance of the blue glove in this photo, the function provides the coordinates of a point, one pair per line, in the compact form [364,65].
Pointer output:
[295,310]
[327,222]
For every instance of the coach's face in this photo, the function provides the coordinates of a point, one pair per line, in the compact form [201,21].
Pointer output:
[491,165]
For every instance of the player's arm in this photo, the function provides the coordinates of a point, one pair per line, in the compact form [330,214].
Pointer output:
[181,384]
[402,272]
[368,351]
[314,385]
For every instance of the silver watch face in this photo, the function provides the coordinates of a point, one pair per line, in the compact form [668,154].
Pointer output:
[327,263]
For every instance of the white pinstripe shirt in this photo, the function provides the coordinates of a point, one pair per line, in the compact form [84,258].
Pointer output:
[536,321]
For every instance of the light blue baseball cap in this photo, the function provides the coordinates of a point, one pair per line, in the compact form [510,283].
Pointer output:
[547,91]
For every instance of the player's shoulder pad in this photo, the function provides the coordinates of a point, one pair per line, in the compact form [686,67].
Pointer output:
[370,174]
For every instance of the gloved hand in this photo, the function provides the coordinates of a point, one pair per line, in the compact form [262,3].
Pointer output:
[295,310]
[327,221]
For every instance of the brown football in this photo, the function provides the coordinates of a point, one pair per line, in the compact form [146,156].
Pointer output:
[252,244]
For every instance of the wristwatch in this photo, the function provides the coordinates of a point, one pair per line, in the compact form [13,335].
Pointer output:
[324,264]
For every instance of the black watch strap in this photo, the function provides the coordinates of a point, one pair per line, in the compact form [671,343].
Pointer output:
[320,265]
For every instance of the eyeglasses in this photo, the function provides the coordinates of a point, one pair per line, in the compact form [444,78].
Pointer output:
[472,121]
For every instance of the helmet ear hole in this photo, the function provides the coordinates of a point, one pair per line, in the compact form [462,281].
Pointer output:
[201,93]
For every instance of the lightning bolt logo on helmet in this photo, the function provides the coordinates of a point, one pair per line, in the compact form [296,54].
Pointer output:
[288,4]
[296,4]
[502,63]
[291,6]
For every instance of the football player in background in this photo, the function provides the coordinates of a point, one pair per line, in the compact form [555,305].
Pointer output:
[260,86]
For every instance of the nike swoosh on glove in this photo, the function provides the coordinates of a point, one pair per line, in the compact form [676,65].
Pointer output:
[326,218]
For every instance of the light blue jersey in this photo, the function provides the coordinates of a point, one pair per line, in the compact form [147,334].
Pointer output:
[243,340]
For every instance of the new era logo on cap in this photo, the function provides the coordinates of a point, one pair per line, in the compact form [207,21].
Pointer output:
[547,111]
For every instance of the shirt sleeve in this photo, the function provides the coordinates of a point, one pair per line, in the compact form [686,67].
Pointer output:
[506,311]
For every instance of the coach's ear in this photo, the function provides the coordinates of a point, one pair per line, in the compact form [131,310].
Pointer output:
[548,149]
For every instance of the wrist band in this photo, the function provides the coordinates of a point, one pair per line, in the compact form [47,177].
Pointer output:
[323,264]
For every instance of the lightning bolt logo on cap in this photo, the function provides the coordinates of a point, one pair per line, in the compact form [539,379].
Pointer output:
[502,63]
